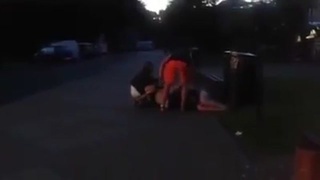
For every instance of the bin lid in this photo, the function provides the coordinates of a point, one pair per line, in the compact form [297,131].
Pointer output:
[241,53]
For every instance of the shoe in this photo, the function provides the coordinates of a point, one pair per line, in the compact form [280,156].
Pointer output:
[162,108]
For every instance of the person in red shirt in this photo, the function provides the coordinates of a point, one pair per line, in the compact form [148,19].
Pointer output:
[176,65]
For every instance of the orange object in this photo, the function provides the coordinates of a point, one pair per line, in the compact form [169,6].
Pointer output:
[173,68]
[307,162]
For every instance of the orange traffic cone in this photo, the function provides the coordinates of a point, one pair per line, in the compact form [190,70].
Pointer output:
[307,161]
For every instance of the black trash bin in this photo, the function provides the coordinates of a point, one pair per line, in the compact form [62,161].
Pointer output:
[243,77]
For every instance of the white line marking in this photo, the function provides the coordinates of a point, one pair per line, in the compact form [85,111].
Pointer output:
[213,77]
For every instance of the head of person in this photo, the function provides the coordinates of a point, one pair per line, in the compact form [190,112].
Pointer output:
[180,53]
[191,53]
[148,68]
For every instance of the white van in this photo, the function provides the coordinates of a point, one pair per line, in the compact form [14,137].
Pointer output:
[71,46]
[59,51]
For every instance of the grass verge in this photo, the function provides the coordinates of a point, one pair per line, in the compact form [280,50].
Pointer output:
[290,108]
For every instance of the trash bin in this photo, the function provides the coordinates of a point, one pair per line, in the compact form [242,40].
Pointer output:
[243,79]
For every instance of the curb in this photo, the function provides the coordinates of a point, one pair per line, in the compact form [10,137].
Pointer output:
[249,169]
[212,76]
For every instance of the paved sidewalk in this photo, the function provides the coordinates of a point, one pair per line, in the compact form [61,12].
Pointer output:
[88,129]
[268,166]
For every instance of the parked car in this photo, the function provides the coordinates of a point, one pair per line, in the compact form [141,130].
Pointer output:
[59,51]
[145,46]
[87,50]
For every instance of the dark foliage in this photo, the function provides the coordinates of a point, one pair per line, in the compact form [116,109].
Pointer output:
[234,24]
[25,26]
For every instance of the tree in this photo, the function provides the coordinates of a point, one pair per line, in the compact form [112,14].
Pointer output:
[36,22]
[194,22]
[297,11]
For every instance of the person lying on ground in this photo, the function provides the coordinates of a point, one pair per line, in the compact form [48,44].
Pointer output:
[177,64]
[196,100]
[143,83]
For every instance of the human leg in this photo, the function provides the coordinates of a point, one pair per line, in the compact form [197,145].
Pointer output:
[168,78]
[207,104]
[184,78]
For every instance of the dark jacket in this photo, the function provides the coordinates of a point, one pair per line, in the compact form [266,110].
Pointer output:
[142,79]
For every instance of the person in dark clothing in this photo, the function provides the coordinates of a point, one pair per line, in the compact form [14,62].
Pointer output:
[143,84]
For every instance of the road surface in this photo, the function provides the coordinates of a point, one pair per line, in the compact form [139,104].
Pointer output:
[85,127]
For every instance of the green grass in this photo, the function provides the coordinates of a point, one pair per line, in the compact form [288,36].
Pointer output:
[290,108]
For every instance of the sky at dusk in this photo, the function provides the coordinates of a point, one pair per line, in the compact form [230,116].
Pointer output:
[155,5]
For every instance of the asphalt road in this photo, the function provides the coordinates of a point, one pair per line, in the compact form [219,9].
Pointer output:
[77,122]
[19,80]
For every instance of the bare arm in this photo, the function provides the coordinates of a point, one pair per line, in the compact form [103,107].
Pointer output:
[148,90]
[141,97]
